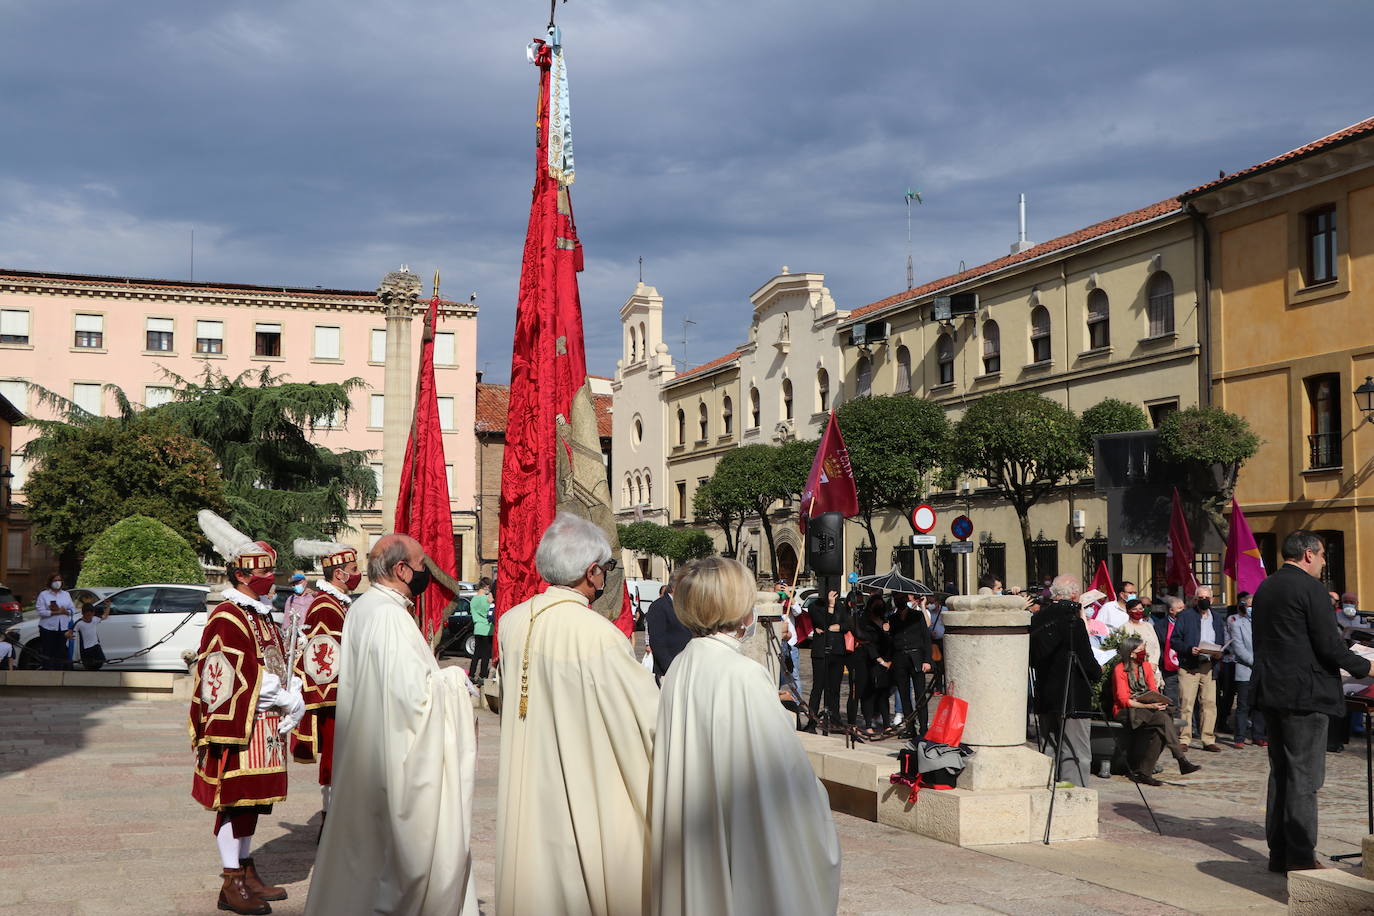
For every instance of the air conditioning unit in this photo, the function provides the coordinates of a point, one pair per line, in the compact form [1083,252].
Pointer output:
[957,305]
[868,332]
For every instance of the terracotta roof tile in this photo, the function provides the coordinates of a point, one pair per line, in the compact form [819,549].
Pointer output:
[1346,135]
[697,370]
[493,403]
[1144,214]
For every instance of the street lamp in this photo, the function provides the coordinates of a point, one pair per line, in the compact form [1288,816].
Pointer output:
[1364,396]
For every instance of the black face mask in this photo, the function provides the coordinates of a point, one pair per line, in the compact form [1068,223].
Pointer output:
[596,596]
[1204,604]
[419,581]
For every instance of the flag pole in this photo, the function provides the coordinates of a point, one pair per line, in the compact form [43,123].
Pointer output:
[796,571]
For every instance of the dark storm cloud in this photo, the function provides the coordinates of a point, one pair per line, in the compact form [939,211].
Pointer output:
[324,141]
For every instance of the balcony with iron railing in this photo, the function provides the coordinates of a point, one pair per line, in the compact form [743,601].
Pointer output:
[1323,451]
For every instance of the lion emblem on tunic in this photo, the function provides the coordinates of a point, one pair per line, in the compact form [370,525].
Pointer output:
[322,658]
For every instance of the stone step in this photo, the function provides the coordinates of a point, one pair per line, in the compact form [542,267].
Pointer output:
[138,685]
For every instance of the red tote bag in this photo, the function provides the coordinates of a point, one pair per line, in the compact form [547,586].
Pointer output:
[948,725]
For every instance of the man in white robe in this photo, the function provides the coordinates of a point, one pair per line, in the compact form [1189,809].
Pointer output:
[577,724]
[740,823]
[397,840]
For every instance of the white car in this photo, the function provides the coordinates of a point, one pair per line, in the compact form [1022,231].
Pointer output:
[167,618]
[643,592]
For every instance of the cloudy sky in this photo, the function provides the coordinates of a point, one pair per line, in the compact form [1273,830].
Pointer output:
[325,142]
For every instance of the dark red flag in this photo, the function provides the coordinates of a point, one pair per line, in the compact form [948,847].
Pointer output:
[422,504]
[1178,568]
[548,361]
[830,486]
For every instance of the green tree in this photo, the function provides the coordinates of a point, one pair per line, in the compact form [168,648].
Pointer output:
[1024,445]
[1209,446]
[136,550]
[714,504]
[895,444]
[278,484]
[1110,416]
[689,544]
[675,545]
[752,478]
[91,472]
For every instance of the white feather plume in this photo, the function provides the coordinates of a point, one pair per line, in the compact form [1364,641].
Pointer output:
[227,540]
[316,549]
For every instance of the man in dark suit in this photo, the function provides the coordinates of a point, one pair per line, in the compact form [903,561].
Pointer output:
[1196,683]
[1058,634]
[1296,681]
[666,634]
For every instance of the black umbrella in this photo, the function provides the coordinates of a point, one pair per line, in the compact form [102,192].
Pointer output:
[895,583]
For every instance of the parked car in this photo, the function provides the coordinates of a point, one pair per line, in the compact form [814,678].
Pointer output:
[643,592]
[142,616]
[458,636]
[10,611]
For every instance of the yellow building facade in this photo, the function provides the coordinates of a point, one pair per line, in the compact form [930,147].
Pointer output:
[1290,249]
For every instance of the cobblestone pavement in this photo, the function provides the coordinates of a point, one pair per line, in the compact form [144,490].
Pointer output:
[96,815]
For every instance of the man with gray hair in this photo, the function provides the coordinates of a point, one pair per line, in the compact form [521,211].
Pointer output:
[577,731]
[1065,671]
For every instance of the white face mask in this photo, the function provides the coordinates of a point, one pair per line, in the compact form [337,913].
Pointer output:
[55,585]
[1348,610]
[1130,596]
[751,628]
[997,591]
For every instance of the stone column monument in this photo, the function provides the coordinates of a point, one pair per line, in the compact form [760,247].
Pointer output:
[399,294]
[1002,795]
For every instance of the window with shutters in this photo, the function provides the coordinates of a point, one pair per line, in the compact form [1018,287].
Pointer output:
[377,475]
[267,340]
[159,335]
[1040,335]
[86,395]
[903,370]
[376,410]
[377,351]
[822,391]
[702,423]
[157,395]
[90,332]
[16,391]
[209,336]
[1099,321]
[992,348]
[327,342]
[14,326]
[445,349]
[944,359]
[863,377]
[1159,304]
[727,416]
[445,413]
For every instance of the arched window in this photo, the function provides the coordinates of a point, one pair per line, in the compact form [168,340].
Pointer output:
[992,348]
[627,496]
[944,358]
[681,426]
[639,491]
[648,489]
[727,416]
[1040,334]
[787,399]
[701,420]
[753,408]
[822,391]
[903,370]
[863,377]
[634,349]
[643,342]
[1160,304]
[1099,323]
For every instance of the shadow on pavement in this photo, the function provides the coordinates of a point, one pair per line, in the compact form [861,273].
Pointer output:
[1253,876]
[291,855]
[45,724]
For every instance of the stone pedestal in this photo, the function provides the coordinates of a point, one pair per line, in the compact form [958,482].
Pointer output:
[1001,796]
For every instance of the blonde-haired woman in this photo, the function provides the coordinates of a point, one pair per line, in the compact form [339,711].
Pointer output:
[739,823]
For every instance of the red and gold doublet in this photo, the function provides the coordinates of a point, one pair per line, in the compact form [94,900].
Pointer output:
[240,758]
[318,669]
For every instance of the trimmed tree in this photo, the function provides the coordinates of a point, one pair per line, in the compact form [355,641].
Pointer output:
[1110,416]
[895,444]
[138,550]
[753,478]
[1208,445]
[1024,445]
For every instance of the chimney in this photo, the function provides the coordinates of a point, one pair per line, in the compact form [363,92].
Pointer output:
[1021,244]
[479,376]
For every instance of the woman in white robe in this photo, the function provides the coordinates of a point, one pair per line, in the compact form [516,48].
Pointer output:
[739,822]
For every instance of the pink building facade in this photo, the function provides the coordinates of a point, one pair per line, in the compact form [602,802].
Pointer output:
[74,334]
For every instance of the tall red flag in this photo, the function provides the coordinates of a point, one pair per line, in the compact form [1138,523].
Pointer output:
[830,486]
[422,504]
[1178,569]
[548,360]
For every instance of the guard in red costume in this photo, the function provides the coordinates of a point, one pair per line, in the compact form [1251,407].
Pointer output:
[318,663]
[243,705]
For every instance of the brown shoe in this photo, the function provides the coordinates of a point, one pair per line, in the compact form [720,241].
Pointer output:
[253,881]
[237,898]
[1212,748]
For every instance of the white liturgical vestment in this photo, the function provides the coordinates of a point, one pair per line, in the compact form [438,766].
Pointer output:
[572,821]
[741,825]
[396,840]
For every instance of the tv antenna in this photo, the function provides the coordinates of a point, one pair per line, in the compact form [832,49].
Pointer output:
[641,269]
[910,273]
[685,323]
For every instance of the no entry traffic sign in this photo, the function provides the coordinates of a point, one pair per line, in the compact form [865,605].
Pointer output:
[961,527]
[923,518]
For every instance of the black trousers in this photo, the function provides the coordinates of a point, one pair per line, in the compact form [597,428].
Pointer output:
[911,683]
[1150,730]
[876,688]
[480,666]
[1225,676]
[826,673]
[53,645]
[1297,769]
[1249,720]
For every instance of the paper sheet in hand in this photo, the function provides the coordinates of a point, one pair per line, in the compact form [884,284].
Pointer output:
[1090,596]
[1211,648]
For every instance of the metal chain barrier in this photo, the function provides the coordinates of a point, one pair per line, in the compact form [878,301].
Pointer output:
[42,658]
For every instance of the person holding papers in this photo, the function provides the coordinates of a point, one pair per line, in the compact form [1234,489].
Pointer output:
[1198,639]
